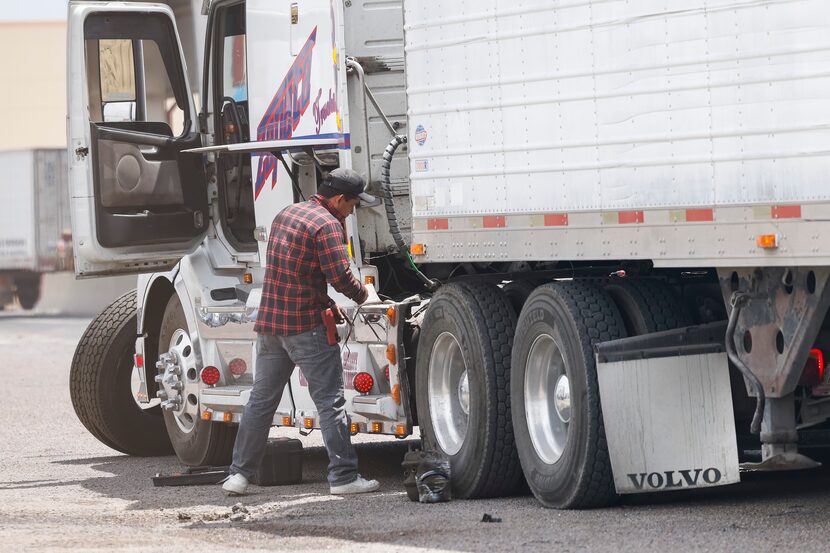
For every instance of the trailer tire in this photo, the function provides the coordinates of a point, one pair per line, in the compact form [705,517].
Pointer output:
[28,290]
[648,305]
[566,463]
[468,330]
[99,384]
[201,443]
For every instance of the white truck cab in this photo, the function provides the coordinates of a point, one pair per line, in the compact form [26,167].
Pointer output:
[185,194]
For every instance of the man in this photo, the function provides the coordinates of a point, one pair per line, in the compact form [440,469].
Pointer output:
[306,249]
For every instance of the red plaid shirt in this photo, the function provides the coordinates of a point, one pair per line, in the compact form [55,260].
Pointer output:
[306,249]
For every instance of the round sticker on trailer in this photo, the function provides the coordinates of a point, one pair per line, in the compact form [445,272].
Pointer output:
[420,135]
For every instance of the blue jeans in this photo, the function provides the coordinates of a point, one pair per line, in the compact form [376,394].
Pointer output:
[323,369]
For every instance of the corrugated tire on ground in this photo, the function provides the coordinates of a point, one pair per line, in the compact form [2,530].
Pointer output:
[100,384]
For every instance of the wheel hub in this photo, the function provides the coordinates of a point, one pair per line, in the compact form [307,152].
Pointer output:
[562,398]
[449,393]
[547,395]
[464,393]
[178,381]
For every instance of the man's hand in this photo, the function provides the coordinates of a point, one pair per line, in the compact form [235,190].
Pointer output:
[339,314]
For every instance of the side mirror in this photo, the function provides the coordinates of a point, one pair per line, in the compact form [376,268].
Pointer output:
[116,112]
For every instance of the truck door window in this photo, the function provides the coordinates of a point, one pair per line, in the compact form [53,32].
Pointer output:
[127,78]
[235,68]
[230,93]
[117,78]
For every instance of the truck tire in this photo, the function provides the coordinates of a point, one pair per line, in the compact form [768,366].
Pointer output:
[100,379]
[196,442]
[647,305]
[557,417]
[463,387]
[28,290]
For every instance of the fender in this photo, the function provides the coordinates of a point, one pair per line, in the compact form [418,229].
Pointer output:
[153,293]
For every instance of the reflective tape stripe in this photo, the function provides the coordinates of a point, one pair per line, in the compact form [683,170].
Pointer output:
[494,221]
[630,217]
[438,224]
[786,212]
[700,215]
[607,218]
[556,219]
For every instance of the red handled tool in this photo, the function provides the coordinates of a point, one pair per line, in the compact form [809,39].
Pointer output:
[330,322]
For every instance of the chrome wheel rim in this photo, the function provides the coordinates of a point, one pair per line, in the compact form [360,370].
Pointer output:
[448,389]
[547,396]
[179,381]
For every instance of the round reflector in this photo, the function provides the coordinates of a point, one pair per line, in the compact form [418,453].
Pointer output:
[363,382]
[237,366]
[210,375]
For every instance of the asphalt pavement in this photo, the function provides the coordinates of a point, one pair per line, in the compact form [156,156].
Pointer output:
[63,490]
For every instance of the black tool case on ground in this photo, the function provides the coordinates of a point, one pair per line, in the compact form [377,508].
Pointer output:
[282,463]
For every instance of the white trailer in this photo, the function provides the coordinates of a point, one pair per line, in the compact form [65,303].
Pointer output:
[34,232]
[556,177]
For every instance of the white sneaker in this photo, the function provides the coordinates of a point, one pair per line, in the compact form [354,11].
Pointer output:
[235,484]
[361,485]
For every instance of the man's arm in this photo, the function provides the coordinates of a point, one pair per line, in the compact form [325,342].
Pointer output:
[334,262]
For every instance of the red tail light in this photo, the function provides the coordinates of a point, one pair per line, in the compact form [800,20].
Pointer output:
[139,360]
[363,382]
[813,373]
[237,366]
[210,375]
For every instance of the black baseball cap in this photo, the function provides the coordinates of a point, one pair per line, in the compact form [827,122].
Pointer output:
[349,182]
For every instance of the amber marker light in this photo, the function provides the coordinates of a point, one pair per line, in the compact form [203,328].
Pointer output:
[354,428]
[206,415]
[308,423]
[418,249]
[286,421]
[377,427]
[396,393]
[227,416]
[392,315]
[391,354]
[369,279]
[401,431]
[767,241]
[248,278]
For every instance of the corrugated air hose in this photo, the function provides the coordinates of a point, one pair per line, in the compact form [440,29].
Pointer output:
[391,216]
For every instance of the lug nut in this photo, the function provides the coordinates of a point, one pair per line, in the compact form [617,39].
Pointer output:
[161,394]
[171,404]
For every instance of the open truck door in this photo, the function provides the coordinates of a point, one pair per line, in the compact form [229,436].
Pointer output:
[138,202]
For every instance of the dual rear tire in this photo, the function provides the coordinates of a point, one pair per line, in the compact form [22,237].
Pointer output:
[557,418]
[463,387]
[493,389]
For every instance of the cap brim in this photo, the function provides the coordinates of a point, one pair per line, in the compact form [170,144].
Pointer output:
[367,200]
